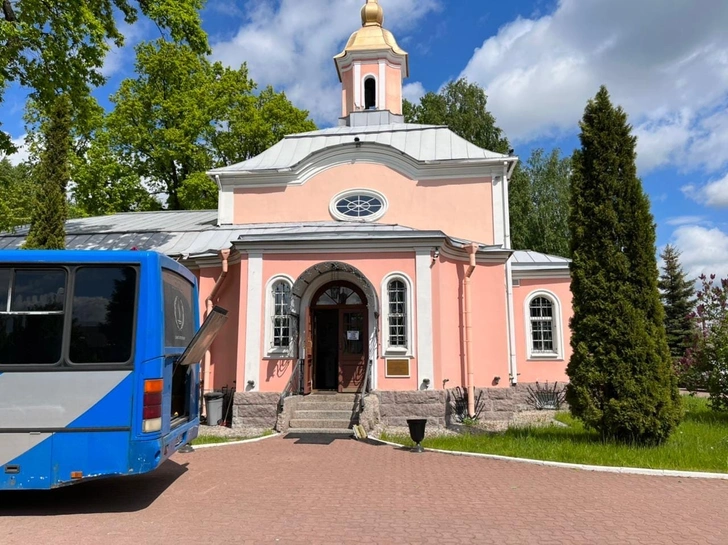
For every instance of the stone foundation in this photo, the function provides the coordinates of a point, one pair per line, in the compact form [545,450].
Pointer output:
[392,409]
[255,410]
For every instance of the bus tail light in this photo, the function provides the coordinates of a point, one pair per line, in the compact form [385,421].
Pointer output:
[152,408]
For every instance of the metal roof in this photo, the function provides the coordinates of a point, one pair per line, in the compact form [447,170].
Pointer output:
[421,142]
[528,259]
[196,233]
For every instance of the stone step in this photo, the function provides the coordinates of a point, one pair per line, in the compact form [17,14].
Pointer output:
[322,414]
[306,405]
[323,431]
[331,396]
[330,423]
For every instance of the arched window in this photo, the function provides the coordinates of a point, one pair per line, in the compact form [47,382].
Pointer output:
[397,319]
[370,94]
[279,333]
[543,316]
[397,295]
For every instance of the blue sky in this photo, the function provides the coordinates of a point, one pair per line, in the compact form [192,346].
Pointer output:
[665,62]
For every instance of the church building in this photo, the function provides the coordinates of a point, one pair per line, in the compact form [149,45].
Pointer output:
[373,256]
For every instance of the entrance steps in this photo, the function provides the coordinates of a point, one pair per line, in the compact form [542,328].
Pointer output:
[324,412]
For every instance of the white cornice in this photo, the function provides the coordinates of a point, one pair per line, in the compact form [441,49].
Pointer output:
[541,273]
[393,60]
[366,153]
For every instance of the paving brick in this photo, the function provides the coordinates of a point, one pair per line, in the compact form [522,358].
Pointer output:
[331,490]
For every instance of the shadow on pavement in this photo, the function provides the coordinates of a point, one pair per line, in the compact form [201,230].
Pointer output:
[108,495]
[317,438]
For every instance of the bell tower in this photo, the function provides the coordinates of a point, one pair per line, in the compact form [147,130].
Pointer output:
[371,70]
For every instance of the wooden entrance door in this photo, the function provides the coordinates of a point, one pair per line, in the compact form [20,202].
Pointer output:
[340,343]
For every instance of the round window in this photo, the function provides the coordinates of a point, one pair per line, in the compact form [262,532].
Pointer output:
[362,205]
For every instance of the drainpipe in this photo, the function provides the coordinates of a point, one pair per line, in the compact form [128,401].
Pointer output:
[224,255]
[471,249]
[511,324]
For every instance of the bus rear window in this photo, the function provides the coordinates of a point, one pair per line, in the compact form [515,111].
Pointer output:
[102,316]
[31,315]
[178,323]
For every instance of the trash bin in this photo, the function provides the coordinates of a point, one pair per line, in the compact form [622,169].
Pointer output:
[417,432]
[213,406]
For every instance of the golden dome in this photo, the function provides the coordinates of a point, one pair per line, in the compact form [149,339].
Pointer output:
[372,14]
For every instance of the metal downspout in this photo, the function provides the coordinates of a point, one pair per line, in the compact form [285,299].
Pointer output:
[206,365]
[468,337]
[511,323]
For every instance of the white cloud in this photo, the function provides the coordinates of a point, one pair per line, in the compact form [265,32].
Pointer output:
[21,155]
[685,220]
[413,91]
[666,63]
[703,250]
[713,193]
[291,46]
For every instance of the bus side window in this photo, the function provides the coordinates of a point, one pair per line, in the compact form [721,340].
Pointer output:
[31,320]
[102,314]
[179,326]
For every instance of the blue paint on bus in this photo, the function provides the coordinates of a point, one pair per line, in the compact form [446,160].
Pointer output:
[112,322]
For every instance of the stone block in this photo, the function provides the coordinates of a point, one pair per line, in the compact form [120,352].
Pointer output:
[385,397]
[256,398]
[415,410]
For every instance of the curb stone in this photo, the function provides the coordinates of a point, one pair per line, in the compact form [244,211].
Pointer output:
[583,467]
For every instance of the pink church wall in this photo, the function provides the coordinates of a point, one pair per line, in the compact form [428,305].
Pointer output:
[489,340]
[458,208]
[394,89]
[274,373]
[224,350]
[542,370]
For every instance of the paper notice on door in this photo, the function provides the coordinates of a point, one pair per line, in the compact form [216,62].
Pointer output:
[352,335]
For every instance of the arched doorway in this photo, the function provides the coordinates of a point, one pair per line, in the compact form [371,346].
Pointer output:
[338,343]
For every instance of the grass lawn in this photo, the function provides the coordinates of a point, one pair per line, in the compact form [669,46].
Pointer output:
[700,443]
[214,439]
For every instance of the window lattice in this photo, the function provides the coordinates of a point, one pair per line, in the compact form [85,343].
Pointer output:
[542,326]
[281,315]
[397,295]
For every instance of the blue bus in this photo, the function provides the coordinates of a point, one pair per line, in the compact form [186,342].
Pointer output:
[99,364]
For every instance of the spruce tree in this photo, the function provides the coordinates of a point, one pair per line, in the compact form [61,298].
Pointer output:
[621,379]
[48,221]
[676,293]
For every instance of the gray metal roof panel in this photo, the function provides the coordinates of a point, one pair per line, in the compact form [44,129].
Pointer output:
[531,259]
[421,142]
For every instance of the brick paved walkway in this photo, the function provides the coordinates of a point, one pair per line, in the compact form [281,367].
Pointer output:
[286,491]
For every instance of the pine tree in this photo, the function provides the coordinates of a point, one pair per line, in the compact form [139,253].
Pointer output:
[47,228]
[676,294]
[621,379]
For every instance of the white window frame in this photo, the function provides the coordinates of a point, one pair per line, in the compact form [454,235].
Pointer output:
[277,352]
[556,324]
[352,193]
[400,351]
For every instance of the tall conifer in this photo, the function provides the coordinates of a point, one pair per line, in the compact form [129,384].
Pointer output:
[48,221]
[621,379]
[676,293]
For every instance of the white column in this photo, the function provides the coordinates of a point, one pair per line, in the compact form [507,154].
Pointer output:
[253,324]
[498,210]
[425,350]
[226,206]
[357,87]
[382,102]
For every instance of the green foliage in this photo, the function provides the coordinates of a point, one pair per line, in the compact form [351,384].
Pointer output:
[698,444]
[547,221]
[180,116]
[47,227]
[462,107]
[676,294]
[17,190]
[59,47]
[706,360]
[538,191]
[622,381]
[198,192]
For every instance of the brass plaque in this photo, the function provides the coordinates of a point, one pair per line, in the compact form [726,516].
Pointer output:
[398,368]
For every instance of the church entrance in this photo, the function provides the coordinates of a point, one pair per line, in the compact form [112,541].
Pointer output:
[339,338]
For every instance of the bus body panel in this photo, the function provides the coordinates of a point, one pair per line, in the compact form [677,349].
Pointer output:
[61,424]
